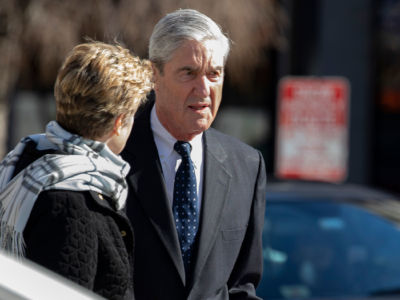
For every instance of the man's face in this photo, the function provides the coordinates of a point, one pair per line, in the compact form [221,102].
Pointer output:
[189,91]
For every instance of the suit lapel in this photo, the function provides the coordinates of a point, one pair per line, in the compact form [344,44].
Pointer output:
[149,187]
[215,191]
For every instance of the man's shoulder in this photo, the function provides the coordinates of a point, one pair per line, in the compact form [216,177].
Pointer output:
[235,151]
[230,143]
[235,154]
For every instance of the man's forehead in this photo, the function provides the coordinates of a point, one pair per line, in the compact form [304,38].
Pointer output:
[194,52]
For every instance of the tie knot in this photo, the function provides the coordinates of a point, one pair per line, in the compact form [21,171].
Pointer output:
[183,148]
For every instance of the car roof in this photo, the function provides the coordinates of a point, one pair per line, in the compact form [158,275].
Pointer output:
[312,190]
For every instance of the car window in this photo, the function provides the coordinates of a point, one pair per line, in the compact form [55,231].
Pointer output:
[318,249]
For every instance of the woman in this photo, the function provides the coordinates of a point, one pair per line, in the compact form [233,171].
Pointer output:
[62,192]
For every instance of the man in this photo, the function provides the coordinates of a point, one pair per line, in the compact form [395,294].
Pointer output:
[197,236]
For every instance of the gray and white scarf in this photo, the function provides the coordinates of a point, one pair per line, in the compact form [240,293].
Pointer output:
[87,165]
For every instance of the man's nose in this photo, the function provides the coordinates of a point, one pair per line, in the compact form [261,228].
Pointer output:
[202,88]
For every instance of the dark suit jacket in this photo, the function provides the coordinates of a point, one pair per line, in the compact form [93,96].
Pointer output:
[229,247]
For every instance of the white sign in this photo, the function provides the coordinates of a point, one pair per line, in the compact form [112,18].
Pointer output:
[312,128]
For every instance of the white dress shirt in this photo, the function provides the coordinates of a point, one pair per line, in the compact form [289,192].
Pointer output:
[170,159]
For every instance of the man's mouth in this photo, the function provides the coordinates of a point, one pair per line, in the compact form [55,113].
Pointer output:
[199,107]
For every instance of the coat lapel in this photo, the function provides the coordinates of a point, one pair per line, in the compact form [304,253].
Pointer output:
[149,187]
[215,190]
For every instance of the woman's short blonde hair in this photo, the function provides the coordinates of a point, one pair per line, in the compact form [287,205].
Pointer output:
[96,83]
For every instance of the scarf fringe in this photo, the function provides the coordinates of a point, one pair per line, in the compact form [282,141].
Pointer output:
[12,241]
[11,236]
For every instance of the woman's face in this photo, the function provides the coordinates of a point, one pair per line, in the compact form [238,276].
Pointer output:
[118,140]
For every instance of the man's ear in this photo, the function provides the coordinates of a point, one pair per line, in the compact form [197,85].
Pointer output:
[118,125]
[156,76]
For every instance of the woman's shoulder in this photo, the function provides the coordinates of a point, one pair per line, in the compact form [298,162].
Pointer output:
[62,202]
[29,155]
[58,195]
[72,203]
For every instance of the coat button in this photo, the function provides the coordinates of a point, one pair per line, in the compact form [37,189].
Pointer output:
[123,233]
[101,197]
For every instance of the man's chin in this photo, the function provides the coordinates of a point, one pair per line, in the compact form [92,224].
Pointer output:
[201,127]
[191,134]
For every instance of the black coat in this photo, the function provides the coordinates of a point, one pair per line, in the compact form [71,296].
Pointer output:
[82,237]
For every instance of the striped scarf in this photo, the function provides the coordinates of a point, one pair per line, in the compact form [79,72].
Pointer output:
[87,165]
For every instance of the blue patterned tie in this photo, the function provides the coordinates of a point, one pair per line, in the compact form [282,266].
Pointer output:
[185,203]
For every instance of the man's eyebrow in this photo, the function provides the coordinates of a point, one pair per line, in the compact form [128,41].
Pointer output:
[190,68]
[186,68]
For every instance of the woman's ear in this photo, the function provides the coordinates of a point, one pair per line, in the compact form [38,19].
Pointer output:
[118,125]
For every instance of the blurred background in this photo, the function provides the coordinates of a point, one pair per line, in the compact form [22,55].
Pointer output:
[356,40]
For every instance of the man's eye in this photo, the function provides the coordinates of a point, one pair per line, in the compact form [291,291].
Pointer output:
[186,74]
[214,75]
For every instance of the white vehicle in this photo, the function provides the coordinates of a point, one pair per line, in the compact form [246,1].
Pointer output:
[22,280]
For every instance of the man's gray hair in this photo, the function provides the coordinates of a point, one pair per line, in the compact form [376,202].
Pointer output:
[179,26]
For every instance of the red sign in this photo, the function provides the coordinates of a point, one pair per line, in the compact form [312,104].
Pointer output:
[312,129]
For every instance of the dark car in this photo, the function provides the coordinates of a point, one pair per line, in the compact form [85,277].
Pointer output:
[328,241]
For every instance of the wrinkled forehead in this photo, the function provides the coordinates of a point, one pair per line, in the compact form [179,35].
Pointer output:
[205,53]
